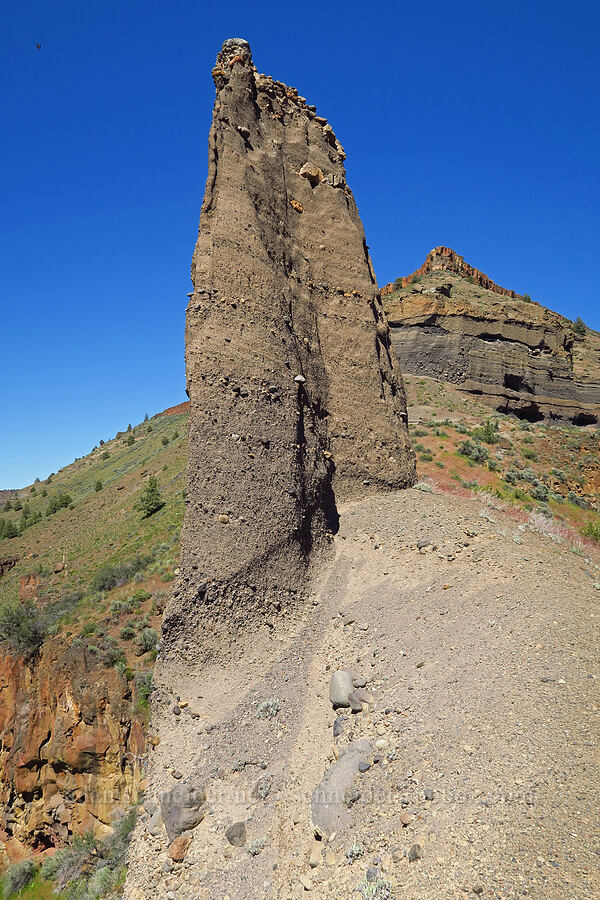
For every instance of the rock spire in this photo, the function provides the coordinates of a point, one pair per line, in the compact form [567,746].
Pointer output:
[296,397]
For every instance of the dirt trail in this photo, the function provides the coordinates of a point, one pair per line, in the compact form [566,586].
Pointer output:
[480,649]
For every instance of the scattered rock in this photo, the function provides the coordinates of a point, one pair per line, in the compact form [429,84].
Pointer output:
[327,804]
[414,853]
[179,847]
[338,726]
[182,808]
[340,688]
[236,834]
[405,818]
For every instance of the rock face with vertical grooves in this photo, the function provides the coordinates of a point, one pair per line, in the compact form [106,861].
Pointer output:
[296,397]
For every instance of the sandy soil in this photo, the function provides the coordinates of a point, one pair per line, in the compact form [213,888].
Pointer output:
[481,654]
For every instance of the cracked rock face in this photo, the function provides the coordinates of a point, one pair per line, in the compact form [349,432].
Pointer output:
[296,397]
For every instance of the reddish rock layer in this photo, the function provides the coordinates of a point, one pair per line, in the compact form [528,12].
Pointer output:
[71,749]
[444,259]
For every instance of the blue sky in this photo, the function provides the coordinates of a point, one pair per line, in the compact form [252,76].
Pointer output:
[473,125]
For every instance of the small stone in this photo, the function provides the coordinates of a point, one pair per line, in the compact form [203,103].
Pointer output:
[306,882]
[340,687]
[380,729]
[428,795]
[363,767]
[338,726]
[299,379]
[446,586]
[315,854]
[176,711]
[359,682]
[420,664]
[478,889]
[422,544]
[224,519]
[405,818]
[179,848]
[177,774]
[348,620]
[236,834]
[414,853]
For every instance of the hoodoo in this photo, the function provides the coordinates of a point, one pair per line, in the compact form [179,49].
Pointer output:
[296,396]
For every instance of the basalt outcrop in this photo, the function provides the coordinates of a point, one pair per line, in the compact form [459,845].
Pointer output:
[296,396]
[71,745]
[520,357]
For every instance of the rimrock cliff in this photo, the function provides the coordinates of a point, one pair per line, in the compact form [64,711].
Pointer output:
[449,322]
[296,396]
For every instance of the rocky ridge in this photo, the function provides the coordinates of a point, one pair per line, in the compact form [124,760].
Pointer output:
[444,259]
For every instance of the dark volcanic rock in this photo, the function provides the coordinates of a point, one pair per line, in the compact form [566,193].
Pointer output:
[294,387]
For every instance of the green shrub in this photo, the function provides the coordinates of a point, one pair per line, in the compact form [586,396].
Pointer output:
[89,868]
[17,877]
[143,689]
[130,440]
[112,575]
[577,500]
[426,457]
[540,492]
[592,530]
[61,501]
[526,298]
[106,455]
[473,450]
[8,529]
[149,500]
[530,454]
[488,433]
[22,626]
[164,440]
[98,486]
[579,326]
[145,641]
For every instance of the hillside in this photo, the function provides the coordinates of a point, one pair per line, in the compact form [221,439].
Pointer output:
[89,577]
[547,486]
[520,357]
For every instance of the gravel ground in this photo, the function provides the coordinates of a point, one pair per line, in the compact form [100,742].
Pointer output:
[478,640]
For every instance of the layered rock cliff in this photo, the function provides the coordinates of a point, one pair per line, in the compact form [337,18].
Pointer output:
[520,357]
[296,396]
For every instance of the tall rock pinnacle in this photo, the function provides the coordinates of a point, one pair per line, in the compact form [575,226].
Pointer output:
[296,397]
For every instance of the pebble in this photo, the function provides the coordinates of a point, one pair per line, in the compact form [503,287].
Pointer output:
[340,687]
[176,711]
[363,767]
[338,726]
[300,379]
[236,834]
[414,853]
[305,880]
[405,818]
